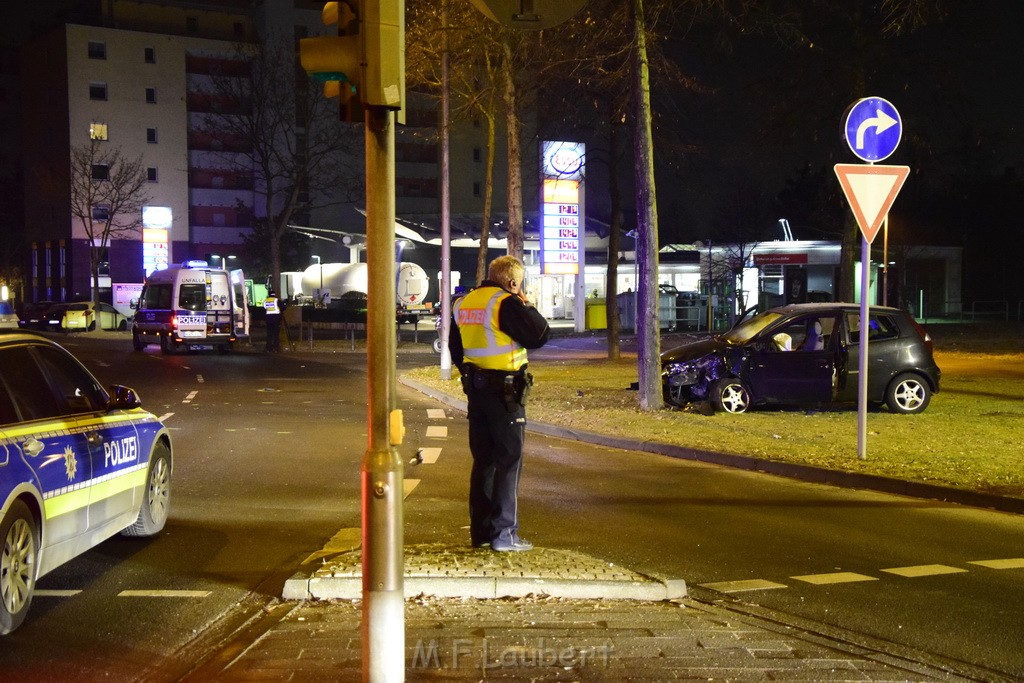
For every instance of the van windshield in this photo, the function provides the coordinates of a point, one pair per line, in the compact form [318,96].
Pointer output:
[156,297]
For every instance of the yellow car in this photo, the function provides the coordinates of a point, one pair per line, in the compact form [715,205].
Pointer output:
[84,315]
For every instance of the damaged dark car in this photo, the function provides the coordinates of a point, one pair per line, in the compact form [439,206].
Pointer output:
[806,356]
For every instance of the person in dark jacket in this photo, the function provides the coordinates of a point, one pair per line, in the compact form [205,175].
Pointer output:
[493,326]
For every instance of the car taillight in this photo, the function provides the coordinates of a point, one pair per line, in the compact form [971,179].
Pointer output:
[923,333]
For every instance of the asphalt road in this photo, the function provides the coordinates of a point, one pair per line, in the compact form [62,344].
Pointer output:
[268,450]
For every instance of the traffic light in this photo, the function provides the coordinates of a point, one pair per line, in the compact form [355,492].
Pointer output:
[337,61]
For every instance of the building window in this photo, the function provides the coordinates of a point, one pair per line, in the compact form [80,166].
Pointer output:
[97,131]
[476,154]
[100,212]
[97,91]
[97,50]
[151,95]
[149,55]
[191,24]
[100,172]
[151,174]
[151,135]
[476,188]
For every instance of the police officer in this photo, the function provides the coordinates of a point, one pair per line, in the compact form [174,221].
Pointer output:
[493,327]
[273,309]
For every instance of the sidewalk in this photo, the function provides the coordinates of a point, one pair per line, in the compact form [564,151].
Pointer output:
[539,638]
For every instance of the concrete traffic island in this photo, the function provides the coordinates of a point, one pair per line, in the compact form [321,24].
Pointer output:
[441,570]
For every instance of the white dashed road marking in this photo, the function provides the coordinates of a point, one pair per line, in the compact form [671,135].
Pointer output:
[429,455]
[740,586]
[835,577]
[408,485]
[437,432]
[165,417]
[163,594]
[43,593]
[436,413]
[1013,563]
[191,395]
[924,570]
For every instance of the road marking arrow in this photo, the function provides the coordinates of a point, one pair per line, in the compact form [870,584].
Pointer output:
[881,122]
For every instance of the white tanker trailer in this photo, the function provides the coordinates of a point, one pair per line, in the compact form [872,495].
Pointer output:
[345,280]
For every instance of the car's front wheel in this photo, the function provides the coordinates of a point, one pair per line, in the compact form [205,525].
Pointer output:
[156,501]
[908,394]
[18,565]
[730,395]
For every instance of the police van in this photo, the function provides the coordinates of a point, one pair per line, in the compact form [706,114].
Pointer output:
[192,306]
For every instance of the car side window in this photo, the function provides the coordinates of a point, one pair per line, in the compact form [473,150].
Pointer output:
[77,388]
[806,333]
[879,327]
[8,413]
[27,385]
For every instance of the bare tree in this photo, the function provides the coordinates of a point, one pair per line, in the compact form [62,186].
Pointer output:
[108,192]
[273,124]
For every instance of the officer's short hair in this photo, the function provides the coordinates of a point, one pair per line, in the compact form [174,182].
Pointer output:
[505,268]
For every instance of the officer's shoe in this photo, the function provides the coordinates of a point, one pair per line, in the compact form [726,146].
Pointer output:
[515,545]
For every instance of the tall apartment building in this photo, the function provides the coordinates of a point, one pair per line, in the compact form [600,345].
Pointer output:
[132,75]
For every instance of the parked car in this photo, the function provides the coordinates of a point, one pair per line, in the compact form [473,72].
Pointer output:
[8,318]
[806,355]
[55,317]
[78,464]
[33,315]
[85,315]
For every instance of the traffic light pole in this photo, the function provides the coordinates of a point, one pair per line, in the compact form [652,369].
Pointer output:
[383,627]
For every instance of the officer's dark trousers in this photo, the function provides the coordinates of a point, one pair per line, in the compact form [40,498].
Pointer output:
[274,332]
[496,441]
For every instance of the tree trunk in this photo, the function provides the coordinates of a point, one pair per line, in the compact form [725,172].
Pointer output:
[614,240]
[648,342]
[485,223]
[515,179]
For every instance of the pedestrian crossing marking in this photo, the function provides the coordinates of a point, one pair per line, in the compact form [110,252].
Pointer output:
[740,586]
[429,455]
[54,593]
[437,432]
[407,486]
[1011,563]
[436,413]
[924,570]
[162,594]
[835,577]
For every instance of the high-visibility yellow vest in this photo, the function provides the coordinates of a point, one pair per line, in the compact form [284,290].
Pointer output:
[270,304]
[483,343]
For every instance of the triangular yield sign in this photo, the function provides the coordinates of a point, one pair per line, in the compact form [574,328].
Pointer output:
[871,190]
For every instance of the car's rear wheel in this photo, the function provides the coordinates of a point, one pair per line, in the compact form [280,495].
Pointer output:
[18,565]
[908,394]
[730,395]
[156,500]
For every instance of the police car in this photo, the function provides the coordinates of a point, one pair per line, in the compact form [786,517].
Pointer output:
[78,464]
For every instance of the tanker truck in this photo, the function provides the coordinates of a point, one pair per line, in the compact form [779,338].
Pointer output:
[338,282]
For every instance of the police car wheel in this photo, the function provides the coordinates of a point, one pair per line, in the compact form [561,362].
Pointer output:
[137,342]
[157,496]
[18,565]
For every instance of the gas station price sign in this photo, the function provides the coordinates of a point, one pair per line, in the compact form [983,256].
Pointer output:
[561,238]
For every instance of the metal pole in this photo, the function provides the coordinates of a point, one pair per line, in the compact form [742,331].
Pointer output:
[446,233]
[885,260]
[862,360]
[383,627]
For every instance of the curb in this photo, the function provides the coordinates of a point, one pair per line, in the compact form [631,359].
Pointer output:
[809,473]
[302,587]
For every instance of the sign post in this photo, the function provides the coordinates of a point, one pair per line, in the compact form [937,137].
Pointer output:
[873,130]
